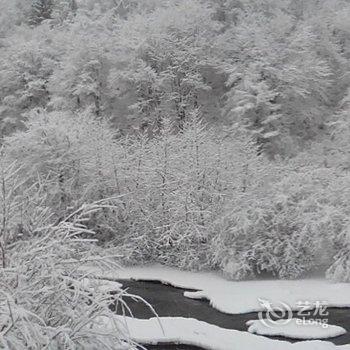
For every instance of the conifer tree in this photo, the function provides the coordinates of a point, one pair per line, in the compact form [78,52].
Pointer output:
[41,10]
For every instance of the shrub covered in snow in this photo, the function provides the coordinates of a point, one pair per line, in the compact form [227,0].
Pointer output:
[46,301]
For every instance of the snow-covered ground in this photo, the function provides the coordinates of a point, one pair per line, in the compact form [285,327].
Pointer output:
[177,330]
[242,297]
[295,328]
[101,284]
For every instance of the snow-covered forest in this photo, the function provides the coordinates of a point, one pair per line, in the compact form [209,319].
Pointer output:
[199,134]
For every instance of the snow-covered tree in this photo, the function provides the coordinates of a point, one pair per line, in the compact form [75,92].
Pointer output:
[80,80]
[278,83]
[72,152]
[12,14]
[27,61]
[165,53]
[41,10]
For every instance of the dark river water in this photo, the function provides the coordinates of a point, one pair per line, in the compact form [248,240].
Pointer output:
[169,301]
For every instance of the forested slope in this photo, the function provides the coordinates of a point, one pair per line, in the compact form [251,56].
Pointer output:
[215,133]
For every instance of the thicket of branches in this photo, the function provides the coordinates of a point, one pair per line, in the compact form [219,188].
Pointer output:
[194,199]
[48,299]
[219,129]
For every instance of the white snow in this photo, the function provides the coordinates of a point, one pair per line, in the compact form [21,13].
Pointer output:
[177,330]
[100,284]
[295,328]
[232,297]
[242,297]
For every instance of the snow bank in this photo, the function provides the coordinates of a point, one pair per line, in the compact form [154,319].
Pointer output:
[101,284]
[242,297]
[294,329]
[177,330]
[170,276]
